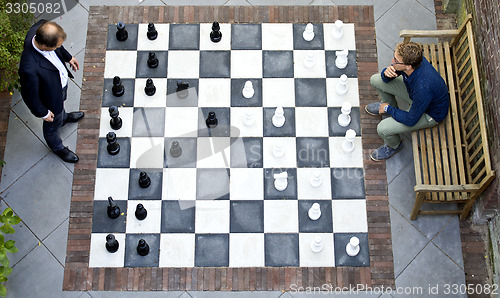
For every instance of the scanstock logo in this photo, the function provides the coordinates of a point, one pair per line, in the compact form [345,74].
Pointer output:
[48,9]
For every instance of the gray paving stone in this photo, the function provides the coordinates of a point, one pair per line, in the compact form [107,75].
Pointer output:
[80,56]
[385,54]
[57,240]
[448,240]
[16,98]
[396,164]
[429,4]
[379,7]
[87,3]
[256,294]
[322,2]
[279,2]
[74,23]
[237,2]
[334,293]
[41,197]
[194,2]
[120,294]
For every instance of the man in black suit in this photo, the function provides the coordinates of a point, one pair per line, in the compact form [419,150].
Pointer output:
[44,82]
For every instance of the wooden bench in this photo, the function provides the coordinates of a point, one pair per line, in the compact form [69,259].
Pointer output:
[452,159]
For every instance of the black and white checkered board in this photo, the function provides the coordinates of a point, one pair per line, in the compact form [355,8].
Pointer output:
[216,204]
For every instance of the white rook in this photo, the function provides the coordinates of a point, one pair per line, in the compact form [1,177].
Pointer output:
[344,118]
[317,245]
[315,179]
[280,181]
[309,61]
[337,31]
[248,89]
[341,61]
[279,117]
[314,212]
[352,248]
[348,144]
[341,87]
[308,34]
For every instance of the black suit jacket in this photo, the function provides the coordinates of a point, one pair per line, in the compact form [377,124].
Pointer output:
[40,81]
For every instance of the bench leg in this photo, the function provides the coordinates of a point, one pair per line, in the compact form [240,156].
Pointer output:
[419,200]
[466,210]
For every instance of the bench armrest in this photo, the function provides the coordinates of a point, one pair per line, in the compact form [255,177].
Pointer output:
[447,188]
[408,34]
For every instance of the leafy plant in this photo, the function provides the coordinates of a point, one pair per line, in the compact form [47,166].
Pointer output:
[8,219]
[2,163]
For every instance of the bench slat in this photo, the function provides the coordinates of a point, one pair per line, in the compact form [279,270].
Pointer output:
[466,86]
[479,176]
[477,164]
[465,75]
[472,103]
[416,159]
[469,121]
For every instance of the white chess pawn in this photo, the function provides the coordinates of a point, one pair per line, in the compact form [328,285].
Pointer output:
[308,34]
[337,31]
[280,181]
[341,87]
[315,179]
[317,245]
[278,149]
[344,119]
[279,117]
[309,61]
[248,89]
[314,212]
[249,119]
[352,248]
[348,144]
[341,61]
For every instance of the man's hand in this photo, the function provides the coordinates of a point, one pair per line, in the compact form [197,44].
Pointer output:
[381,109]
[74,64]
[49,118]
[390,72]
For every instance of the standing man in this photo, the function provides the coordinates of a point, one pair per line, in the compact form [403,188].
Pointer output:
[44,82]
[413,79]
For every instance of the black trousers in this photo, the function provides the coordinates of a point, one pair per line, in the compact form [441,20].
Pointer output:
[51,129]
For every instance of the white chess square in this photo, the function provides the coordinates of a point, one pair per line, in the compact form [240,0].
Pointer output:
[177,250]
[152,222]
[127,116]
[317,70]
[212,216]
[246,184]
[159,99]
[346,42]
[281,216]
[311,122]
[181,121]
[213,152]
[207,45]
[147,153]
[340,159]
[238,116]
[159,44]
[306,191]
[349,216]
[324,258]
[183,64]
[335,100]
[179,184]
[120,63]
[214,93]
[246,64]
[100,257]
[288,160]
[246,250]
[111,183]
[278,92]
[277,36]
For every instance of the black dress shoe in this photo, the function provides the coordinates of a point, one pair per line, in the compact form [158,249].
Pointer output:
[74,117]
[67,155]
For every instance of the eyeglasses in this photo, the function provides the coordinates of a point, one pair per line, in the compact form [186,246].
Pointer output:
[396,60]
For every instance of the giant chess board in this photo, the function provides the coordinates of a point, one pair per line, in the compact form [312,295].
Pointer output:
[216,205]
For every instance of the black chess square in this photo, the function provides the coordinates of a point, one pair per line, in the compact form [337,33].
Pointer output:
[144,71]
[129,44]
[323,224]
[271,193]
[313,152]
[282,250]
[120,160]
[351,70]
[247,216]
[247,156]
[223,127]
[102,223]
[342,259]
[153,192]
[277,64]
[126,100]
[310,92]
[187,159]
[287,130]
[299,43]
[185,98]
[246,37]
[335,130]
[184,37]
[348,183]
[237,98]
[178,216]
[146,122]
[134,259]
[212,184]
[211,250]
[215,64]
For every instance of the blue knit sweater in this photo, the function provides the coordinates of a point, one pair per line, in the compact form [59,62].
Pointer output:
[427,90]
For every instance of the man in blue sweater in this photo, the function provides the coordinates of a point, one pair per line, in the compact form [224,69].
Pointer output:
[413,79]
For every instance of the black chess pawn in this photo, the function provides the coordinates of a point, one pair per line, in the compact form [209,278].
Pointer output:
[152,33]
[118,89]
[111,243]
[113,209]
[182,90]
[113,146]
[115,122]
[122,33]
[215,35]
[212,120]
[175,149]
[142,247]
[140,212]
[150,88]
[144,180]
[152,60]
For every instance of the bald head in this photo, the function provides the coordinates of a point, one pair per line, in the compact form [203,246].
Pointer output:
[50,34]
